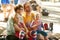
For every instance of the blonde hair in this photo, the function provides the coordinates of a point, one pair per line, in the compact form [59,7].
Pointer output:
[37,15]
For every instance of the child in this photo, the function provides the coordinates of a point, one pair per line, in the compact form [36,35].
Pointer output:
[19,24]
[33,32]
[36,25]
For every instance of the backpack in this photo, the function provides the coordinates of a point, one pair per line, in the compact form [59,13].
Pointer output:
[46,26]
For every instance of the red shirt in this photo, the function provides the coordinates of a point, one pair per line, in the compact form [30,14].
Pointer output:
[16,32]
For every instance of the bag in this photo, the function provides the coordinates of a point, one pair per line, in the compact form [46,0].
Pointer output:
[46,26]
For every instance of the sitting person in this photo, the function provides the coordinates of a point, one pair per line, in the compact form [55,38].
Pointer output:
[19,25]
[36,25]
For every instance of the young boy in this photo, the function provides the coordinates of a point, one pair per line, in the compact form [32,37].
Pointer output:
[19,24]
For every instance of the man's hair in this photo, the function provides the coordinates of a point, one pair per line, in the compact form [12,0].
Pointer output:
[18,7]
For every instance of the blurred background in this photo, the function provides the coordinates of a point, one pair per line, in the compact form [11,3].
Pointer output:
[51,7]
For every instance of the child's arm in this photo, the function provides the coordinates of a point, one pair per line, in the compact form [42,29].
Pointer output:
[34,25]
[25,27]
[16,27]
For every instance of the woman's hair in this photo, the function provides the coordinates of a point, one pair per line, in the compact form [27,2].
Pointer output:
[25,4]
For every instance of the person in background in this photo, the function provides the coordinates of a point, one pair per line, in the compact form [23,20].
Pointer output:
[4,4]
[10,23]
[51,26]
[38,8]
[0,4]
[32,1]
[37,11]
[22,2]
[33,4]
[15,2]
[2,16]
[5,1]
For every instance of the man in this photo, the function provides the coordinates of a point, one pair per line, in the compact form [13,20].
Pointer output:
[51,26]
[33,4]
[28,15]
[16,2]
[11,27]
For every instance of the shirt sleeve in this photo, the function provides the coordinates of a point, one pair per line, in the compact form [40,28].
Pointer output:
[31,24]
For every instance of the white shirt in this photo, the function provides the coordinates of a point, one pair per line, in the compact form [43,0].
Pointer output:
[20,18]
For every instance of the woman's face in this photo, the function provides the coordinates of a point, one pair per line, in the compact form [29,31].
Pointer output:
[27,8]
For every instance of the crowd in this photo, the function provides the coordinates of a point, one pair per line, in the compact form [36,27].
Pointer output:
[24,21]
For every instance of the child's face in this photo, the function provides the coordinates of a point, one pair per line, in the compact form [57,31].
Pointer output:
[37,16]
[19,11]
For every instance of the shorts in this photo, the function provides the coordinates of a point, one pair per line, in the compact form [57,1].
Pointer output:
[42,32]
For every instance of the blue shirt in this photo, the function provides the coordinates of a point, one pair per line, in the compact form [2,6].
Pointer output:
[5,1]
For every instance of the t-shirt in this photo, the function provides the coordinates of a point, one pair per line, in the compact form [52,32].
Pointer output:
[39,27]
[28,19]
[20,18]
[22,1]
[15,2]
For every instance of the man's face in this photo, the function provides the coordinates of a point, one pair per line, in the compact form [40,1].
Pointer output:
[27,8]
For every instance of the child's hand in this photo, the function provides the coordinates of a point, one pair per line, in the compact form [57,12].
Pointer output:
[22,29]
[38,23]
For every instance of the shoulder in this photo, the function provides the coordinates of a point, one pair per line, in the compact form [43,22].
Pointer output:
[32,13]
[23,14]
